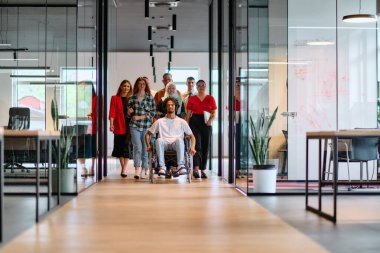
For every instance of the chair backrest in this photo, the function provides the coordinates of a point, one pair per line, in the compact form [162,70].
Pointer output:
[19,118]
[364,149]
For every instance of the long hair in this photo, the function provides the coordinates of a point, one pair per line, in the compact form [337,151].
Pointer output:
[136,87]
[121,84]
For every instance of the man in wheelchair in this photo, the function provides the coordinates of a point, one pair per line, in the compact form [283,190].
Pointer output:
[171,131]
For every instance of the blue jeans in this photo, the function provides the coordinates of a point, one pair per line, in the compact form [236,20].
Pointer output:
[139,148]
[178,146]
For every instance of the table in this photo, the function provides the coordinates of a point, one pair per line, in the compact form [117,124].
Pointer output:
[334,136]
[39,136]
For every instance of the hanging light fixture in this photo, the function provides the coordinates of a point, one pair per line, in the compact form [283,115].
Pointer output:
[360,17]
[149,33]
[174,22]
[172,42]
[147,9]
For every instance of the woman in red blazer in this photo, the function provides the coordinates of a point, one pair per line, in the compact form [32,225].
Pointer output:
[119,125]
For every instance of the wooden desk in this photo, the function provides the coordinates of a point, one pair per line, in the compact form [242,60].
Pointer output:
[39,136]
[334,136]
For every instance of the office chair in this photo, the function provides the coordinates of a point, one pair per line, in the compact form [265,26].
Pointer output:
[19,118]
[284,150]
[17,150]
[359,150]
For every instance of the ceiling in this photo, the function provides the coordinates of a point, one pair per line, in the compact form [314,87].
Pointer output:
[26,27]
[132,27]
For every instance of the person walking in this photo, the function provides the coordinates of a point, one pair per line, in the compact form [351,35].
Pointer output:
[190,83]
[142,110]
[119,125]
[166,78]
[201,111]
[170,91]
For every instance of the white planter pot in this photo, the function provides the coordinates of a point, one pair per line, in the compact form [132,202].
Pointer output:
[68,184]
[264,179]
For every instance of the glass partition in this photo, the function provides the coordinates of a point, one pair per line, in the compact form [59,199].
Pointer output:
[45,96]
[241,98]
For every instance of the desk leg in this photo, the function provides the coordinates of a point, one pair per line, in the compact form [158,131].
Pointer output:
[319,175]
[335,175]
[58,142]
[38,180]
[1,189]
[49,175]
[307,173]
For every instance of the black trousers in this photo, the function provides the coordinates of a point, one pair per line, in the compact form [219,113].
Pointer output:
[202,134]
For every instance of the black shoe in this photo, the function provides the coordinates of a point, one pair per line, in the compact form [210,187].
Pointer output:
[123,175]
[196,174]
[203,174]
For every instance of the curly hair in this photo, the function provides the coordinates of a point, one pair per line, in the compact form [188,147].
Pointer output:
[170,99]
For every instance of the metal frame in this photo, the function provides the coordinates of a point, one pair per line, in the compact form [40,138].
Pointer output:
[334,136]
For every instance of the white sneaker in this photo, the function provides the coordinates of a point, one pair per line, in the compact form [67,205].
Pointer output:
[137,172]
[182,170]
[144,173]
[162,171]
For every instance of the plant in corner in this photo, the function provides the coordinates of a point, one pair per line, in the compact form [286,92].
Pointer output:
[264,175]
[259,141]
[61,152]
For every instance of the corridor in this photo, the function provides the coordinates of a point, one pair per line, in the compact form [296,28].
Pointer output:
[122,215]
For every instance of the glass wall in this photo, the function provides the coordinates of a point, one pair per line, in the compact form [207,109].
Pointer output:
[241,92]
[48,76]
[319,71]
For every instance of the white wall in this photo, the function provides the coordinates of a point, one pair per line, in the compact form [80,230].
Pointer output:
[132,65]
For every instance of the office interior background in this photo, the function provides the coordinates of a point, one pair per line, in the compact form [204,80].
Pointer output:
[295,55]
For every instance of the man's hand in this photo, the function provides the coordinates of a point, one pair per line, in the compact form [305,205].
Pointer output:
[148,148]
[208,123]
[111,128]
[192,151]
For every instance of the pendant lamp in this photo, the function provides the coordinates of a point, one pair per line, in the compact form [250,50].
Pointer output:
[360,17]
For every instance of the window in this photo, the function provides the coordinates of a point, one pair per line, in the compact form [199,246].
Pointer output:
[180,75]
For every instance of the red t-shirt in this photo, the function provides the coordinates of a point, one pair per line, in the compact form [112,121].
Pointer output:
[198,107]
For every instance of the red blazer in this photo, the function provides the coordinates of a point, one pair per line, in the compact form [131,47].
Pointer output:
[93,114]
[117,113]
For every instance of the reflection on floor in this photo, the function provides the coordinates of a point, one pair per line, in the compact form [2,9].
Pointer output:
[127,215]
[19,214]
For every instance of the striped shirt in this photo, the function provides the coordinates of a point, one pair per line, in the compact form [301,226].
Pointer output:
[145,107]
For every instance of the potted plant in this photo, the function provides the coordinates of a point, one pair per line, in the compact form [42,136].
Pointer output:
[62,153]
[264,174]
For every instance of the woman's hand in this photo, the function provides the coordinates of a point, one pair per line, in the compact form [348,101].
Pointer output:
[208,123]
[112,128]
[130,110]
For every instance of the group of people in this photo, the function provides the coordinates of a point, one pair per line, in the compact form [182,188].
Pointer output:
[135,114]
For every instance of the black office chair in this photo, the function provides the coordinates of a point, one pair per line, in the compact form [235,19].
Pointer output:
[359,150]
[284,150]
[17,150]
[19,118]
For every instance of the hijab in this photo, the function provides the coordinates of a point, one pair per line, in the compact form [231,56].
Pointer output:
[174,95]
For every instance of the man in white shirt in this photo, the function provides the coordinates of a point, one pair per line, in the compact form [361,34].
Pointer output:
[171,130]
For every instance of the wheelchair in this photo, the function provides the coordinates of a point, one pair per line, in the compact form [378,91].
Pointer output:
[170,157]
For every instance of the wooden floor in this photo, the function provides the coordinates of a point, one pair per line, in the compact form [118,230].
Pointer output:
[121,215]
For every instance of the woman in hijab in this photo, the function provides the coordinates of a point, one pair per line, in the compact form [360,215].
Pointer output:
[171,91]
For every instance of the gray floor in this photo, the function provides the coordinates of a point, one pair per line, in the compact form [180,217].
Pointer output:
[357,229]
[20,214]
